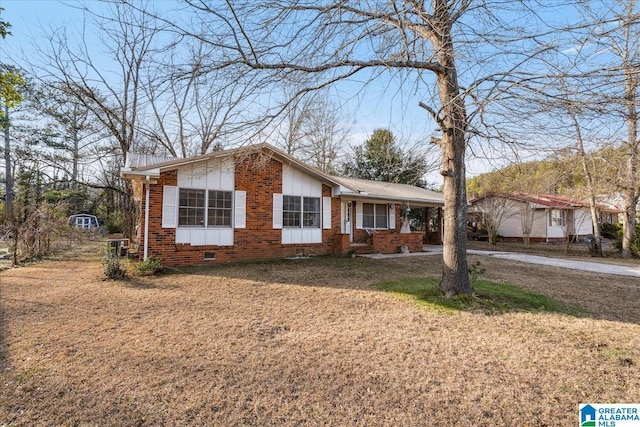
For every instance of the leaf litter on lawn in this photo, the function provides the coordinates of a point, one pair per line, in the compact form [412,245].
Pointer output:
[306,342]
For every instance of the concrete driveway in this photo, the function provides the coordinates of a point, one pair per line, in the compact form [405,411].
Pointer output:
[594,267]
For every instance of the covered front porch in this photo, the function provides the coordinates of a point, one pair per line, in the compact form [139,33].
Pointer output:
[407,229]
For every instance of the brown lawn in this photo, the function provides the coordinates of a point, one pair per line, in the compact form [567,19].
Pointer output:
[305,343]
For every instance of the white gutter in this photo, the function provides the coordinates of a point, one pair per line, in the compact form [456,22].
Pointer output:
[146,219]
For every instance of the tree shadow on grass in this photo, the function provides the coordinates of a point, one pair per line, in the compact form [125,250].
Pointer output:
[488,298]
[598,296]
[142,283]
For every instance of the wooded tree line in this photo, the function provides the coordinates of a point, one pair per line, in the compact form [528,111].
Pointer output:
[560,174]
[495,78]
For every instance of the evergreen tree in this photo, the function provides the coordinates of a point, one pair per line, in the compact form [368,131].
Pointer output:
[381,159]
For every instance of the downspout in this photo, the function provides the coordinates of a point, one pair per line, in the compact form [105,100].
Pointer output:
[146,219]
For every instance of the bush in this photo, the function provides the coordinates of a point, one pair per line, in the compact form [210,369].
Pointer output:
[475,271]
[149,267]
[635,244]
[113,264]
[611,231]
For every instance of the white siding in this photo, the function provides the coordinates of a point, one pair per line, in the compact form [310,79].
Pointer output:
[540,221]
[512,226]
[297,183]
[205,236]
[301,235]
[583,223]
[211,175]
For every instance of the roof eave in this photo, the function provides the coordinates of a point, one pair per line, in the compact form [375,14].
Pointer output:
[128,173]
[360,196]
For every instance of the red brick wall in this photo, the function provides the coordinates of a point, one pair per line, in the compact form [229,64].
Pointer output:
[388,241]
[161,240]
[260,179]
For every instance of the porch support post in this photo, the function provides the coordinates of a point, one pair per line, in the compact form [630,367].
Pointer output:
[146,219]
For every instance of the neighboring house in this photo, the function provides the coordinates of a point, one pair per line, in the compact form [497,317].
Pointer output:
[84,221]
[544,217]
[258,202]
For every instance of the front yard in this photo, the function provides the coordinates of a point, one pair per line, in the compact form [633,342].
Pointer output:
[307,342]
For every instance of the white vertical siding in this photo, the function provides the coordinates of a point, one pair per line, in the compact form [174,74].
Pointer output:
[210,175]
[205,236]
[296,183]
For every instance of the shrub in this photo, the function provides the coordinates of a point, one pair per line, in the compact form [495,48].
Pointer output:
[635,244]
[611,231]
[476,270]
[149,267]
[113,264]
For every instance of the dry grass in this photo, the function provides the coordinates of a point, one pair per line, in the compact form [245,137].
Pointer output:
[305,342]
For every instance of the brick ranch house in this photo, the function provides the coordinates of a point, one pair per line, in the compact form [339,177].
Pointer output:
[259,202]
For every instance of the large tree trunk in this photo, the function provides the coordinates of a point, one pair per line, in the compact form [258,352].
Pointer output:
[630,191]
[630,99]
[455,274]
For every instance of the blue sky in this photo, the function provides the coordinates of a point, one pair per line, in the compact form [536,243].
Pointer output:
[384,108]
[384,105]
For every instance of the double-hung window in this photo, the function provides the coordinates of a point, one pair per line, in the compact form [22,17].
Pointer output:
[556,218]
[311,212]
[201,208]
[300,212]
[291,211]
[191,208]
[374,215]
[219,210]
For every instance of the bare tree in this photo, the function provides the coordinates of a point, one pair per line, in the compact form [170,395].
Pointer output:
[290,130]
[324,42]
[588,174]
[602,57]
[527,217]
[197,110]
[112,93]
[495,209]
[625,45]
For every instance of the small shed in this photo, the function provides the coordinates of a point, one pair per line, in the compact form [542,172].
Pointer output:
[84,221]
